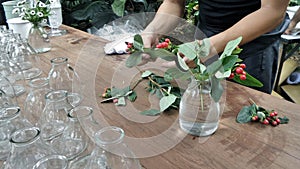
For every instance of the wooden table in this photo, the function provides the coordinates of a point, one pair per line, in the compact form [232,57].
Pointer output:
[158,141]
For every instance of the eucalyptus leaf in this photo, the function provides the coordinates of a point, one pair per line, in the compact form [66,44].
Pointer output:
[229,61]
[181,63]
[230,47]
[244,115]
[176,74]
[119,92]
[214,67]
[132,97]
[216,89]
[166,102]
[138,42]
[161,53]
[188,49]
[204,49]
[121,101]
[146,73]
[221,75]
[134,59]
[151,112]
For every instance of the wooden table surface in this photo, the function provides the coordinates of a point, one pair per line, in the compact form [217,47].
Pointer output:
[158,141]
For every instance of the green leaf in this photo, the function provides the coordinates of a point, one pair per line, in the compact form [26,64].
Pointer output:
[214,67]
[119,92]
[134,59]
[283,120]
[188,49]
[121,101]
[216,89]
[151,112]
[176,74]
[250,81]
[132,97]
[181,64]
[203,49]
[231,46]
[229,61]
[261,115]
[244,115]
[162,53]
[221,75]
[166,102]
[146,73]
[138,42]
[118,7]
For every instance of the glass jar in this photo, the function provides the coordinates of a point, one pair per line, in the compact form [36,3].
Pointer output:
[10,121]
[35,101]
[199,114]
[38,39]
[63,77]
[74,140]
[27,149]
[53,162]
[111,152]
[54,117]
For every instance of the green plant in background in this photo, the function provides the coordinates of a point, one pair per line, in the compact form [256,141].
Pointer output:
[83,14]
[294,2]
[192,11]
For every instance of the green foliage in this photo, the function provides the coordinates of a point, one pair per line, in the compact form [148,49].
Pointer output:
[83,14]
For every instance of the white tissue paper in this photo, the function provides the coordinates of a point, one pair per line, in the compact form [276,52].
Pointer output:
[118,46]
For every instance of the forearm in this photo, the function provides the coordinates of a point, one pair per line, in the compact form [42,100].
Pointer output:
[167,16]
[252,26]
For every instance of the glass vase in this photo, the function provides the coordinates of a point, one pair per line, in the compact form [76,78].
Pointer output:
[38,39]
[27,149]
[35,101]
[63,77]
[10,121]
[53,162]
[74,140]
[199,114]
[54,117]
[111,151]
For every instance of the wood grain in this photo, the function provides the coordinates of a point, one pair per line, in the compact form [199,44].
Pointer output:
[233,146]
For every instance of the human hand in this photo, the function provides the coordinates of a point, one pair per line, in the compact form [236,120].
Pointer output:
[292,25]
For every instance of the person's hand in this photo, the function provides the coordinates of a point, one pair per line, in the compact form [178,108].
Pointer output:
[292,25]
[149,40]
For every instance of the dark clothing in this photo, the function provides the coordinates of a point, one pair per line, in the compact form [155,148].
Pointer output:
[261,54]
[219,15]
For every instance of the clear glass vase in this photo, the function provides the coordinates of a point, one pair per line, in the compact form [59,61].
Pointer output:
[38,39]
[54,117]
[10,121]
[27,149]
[35,101]
[53,162]
[199,114]
[63,77]
[74,140]
[111,151]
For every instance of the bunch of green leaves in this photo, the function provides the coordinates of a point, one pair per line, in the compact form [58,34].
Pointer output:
[168,95]
[216,71]
[120,95]
[247,112]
